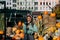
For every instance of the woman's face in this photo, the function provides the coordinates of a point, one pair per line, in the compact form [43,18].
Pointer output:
[19,23]
[28,19]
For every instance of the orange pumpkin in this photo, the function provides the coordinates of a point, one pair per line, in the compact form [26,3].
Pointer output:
[58,38]
[22,35]
[16,36]
[45,12]
[54,38]
[58,25]
[52,29]
[40,38]
[1,32]
[14,29]
[52,14]
[17,31]
[22,31]
[39,17]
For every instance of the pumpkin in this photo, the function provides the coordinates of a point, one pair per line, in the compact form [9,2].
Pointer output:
[52,29]
[22,31]
[52,15]
[14,29]
[45,12]
[17,31]
[39,17]
[22,35]
[54,38]
[16,36]
[41,38]
[58,38]
[1,32]
[58,25]
[56,31]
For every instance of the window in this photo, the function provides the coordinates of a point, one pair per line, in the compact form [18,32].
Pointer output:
[10,7]
[7,7]
[14,5]
[43,8]
[21,3]
[14,1]
[40,3]
[49,8]
[10,3]
[36,8]
[46,3]
[40,8]
[43,3]
[32,8]
[18,3]
[55,2]
[20,8]
[23,7]
[28,3]
[29,7]
[49,3]
[46,8]
[35,3]
[7,3]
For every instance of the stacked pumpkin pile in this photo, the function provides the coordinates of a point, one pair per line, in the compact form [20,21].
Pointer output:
[45,19]
[19,34]
[52,19]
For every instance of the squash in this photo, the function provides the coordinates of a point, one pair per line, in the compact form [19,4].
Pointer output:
[58,25]
[1,32]
[14,29]
[39,17]
[52,29]
[41,38]
[21,35]
[45,12]
[22,31]
[52,15]
[54,38]
[17,31]
[16,36]
[58,38]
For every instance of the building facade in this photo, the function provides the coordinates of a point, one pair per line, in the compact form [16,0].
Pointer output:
[34,5]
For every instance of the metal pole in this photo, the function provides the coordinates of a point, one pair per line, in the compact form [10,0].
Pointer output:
[50,8]
[5,20]
[25,4]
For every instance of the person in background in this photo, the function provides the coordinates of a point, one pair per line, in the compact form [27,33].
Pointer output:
[29,29]
[8,33]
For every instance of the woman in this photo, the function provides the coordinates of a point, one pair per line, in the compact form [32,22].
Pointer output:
[29,29]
